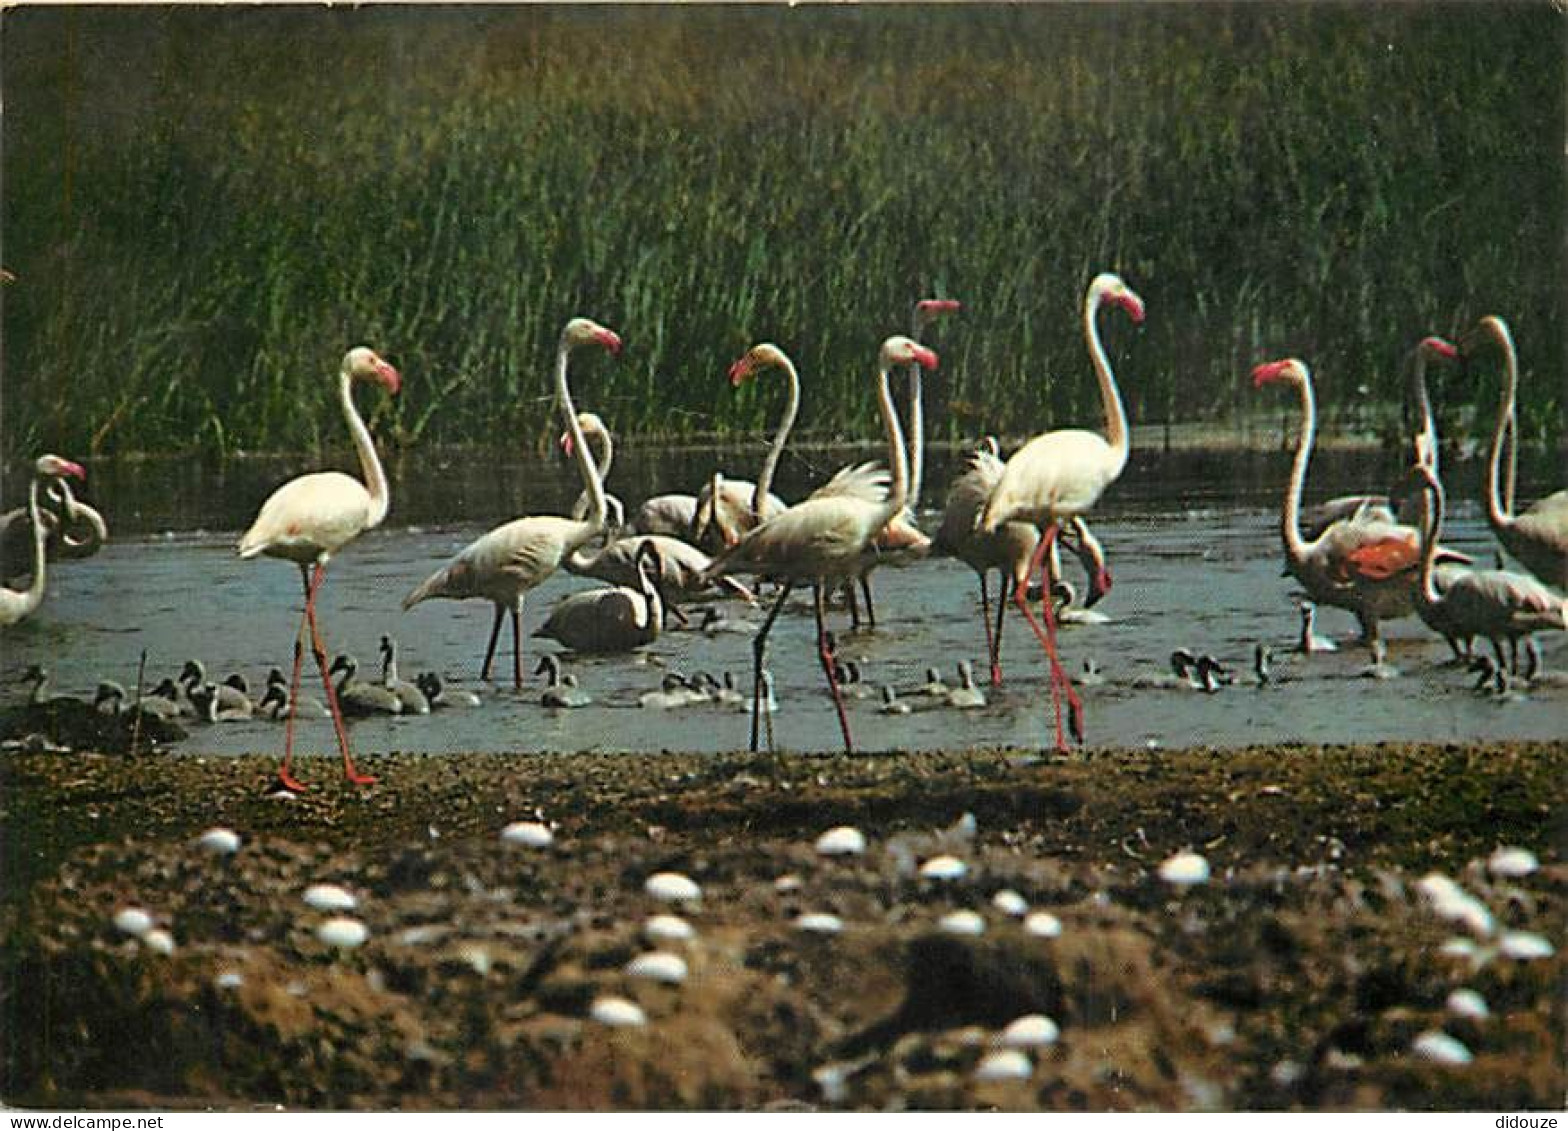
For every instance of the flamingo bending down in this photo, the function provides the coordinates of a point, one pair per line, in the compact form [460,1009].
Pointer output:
[1364,563]
[616,618]
[1538,537]
[312,517]
[503,565]
[16,605]
[74,530]
[1059,475]
[821,540]
[1497,604]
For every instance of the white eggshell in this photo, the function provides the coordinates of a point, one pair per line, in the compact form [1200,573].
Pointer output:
[617,1012]
[819,923]
[219,841]
[159,941]
[133,921]
[845,840]
[668,928]
[1004,1064]
[672,887]
[343,932]
[532,834]
[944,868]
[1185,869]
[1438,1046]
[962,923]
[1032,1030]
[658,966]
[1468,1003]
[1525,945]
[1042,924]
[1514,863]
[1009,902]
[329,897]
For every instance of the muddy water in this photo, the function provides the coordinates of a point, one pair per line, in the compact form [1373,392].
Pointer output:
[1192,539]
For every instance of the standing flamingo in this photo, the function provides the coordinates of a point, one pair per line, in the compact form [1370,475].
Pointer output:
[820,541]
[506,563]
[15,605]
[728,508]
[312,517]
[1059,475]
[1363,563]
[1539,536]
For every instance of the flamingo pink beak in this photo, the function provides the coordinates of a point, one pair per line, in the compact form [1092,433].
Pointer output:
[1098,587]
[926,359]
[610,340]
[740,371]
[1268,371]
[388,376]
[567,447]
[1133,305]
[1441,347]
[66,467]
[932,306]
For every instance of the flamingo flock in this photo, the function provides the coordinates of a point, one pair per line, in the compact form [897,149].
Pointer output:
[733,537]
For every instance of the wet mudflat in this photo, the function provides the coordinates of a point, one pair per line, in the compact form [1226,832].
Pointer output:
[1316,968]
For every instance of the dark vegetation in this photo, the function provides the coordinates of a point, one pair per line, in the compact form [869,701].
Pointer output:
[204,208]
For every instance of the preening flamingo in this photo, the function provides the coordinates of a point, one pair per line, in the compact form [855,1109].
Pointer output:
[820,541]
[503,565]
[1364,563]
[1059,475]
[617,618]
[15,605]
[1538,537]
[1497,604]
[74,530]
[312,517]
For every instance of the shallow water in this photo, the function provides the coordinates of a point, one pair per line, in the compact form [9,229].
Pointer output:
[1193,544]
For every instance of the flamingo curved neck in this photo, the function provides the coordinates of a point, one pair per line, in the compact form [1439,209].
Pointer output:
[1115,415]
[369,461]
[759,495]
[1426,440]
[1296,547]
[917,446]
[603,457]
[33,596]
[899,494]
[1499,508]
[595,488]
[1431,526]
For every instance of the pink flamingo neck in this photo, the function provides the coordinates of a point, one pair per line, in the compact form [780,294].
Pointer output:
[759,495]
[1296,547]
[1499,508]
[597,508]
[1110,396]
[369,461]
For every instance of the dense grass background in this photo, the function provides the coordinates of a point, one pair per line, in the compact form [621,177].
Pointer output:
[205,208]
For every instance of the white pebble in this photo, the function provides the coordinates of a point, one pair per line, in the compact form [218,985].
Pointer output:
[787,883]
[1009,902]
[1458,947]
[944,868]
[1524,945]
[845,840]
[1185,869]
[1032,1030]
[1438,1046]
[673,887]
[1005,1064]
[1468,1003]
[343,932]
[617,1012]
[1451,902]
[1513,863]
[229,980]
[1042,924]
[219,842]
[658,966]
[530,833]
[329,897]
[668,928]
[133,921]
[962,923]
[159,941]
[819,923]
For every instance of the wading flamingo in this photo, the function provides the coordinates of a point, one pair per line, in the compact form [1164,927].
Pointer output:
[503,565]
[820,541]
[1538,537]
[617,618]
[1059,475]
[15,605]
[312,517]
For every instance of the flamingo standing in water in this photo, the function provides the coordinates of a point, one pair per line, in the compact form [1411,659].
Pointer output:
[820,541]
[15,605]
[1059,475]
[1364,563]
[506,563]
[1539,536]
[312,517]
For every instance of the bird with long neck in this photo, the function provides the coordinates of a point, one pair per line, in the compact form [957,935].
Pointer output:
[1537,537]
[728,508]
[16,605]
[503,565]
[312,517]
[820,541]
[1061,474]
[1501,605]
[1364,563]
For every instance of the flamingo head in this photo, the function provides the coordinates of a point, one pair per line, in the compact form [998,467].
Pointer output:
[1099,586]
[363,364]
[54,467]
[587,332]
[1290,369]
[1109,288]
[1433,346]
[1491,327]
[765,355]
[928,309]
[591,424]
[899,350]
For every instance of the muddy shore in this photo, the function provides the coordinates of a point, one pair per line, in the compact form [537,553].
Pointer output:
[1302,975]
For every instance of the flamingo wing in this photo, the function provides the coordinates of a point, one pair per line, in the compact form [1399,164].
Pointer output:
[308,516]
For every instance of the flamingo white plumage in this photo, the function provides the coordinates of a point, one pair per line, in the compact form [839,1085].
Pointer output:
[18,604]
[820,541]
[1061,474]
[312,517]
[503,565]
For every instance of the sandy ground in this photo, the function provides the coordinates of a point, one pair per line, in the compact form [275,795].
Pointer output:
[1302,975]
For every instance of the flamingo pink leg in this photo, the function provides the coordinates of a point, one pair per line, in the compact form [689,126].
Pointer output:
[320,649]
[992,652]
[286,778]
[825,654]
[1047,637]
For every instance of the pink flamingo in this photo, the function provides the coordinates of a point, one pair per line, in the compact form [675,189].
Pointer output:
[16,605]
[312,517]
[1538,537]
[820,541]
[1059,475]
[503,565]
